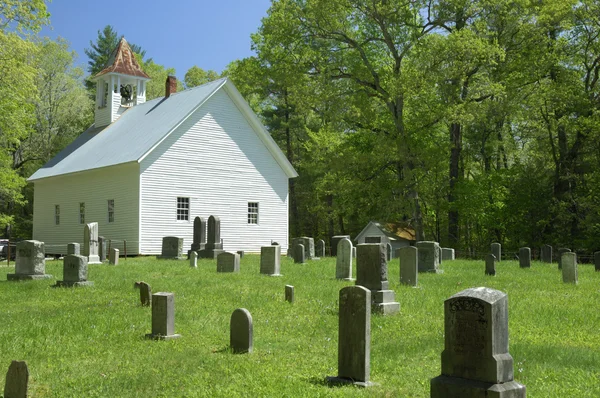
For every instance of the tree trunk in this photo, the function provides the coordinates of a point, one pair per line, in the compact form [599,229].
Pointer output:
[455,153]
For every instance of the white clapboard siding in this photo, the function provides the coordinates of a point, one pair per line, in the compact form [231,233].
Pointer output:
[216,159]
[102,117]
[371,230]
[94,188]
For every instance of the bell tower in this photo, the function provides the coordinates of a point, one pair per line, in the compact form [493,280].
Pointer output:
[119,86]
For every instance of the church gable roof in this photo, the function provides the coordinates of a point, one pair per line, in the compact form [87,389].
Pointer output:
[123,61]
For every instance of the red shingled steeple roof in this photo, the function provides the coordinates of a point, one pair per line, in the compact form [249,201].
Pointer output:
[122,61]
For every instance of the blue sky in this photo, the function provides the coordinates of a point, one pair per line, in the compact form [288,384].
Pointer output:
[178,34]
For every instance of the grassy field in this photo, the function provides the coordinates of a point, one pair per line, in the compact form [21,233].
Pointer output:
[89,342]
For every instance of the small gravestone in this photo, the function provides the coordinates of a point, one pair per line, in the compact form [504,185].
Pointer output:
[90,243]
[270,261]
[30,261]
[163,317]
[75,271]
[145,294]
[113,258]
[228,262]
[569,267]
[17,380]
[102,248]
[525,257]
[388,252]
[429,260]
[320,248]
[497,251]
[289,293]
[240,331]
[73,248]
[560,253]
[475,360]
[597,261]
[546,254]
[199,237]
[213,246]
[490,264]
[172,248]
[409,269]
[447,254]
[299,254]
[241,253]
[372,239]
[343,264]
[354,337]
[371,272]
[334,243]
[193,259]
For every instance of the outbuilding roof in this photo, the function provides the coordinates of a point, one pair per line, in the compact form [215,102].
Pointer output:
[394,231]
[142,127]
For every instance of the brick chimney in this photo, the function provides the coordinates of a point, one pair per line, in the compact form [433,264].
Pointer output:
[170,86]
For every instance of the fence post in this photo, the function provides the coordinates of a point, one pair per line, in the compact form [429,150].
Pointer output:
[125,248]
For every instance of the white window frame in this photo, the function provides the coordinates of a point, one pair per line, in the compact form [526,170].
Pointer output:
[253,213]
[111,210]
[81,212]
[183,209]
[56,214]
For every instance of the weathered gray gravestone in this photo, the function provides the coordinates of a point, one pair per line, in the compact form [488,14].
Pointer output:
[199,239]
[90,243]
[354,337]
[113,258]
[597,261]
[309,247]
[429,260]
[525,257]
[546,254]
[172,248]
[228,262]
[75,271]
[409,270]
[475,360]
[388,252]
[163,317]
[270,260]
[241,331]
[299,254]
[320,248]
[102,248]
[447,254]
[145,294]
[343,263]
[193,259]
[30,261]
[560,253]
[490,264]
[289,293]
[17,380]
[334,243]
[497,251]
[569,267]
[371,272]
[73,248]
[213,246]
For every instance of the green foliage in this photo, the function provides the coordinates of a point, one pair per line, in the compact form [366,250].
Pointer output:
[155,88]
[24,15]
[196,76]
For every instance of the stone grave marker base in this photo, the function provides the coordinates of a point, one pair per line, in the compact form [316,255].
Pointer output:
[19,277]
[383,302]
[165,258]
[335,380]
[73,284]
[94,259]
[446,386]
[151,336]
[212,254]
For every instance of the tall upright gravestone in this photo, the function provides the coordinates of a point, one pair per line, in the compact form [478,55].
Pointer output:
[409,269]
[490,265]
[320,248]
[199,240]
[497,251]
[475,360]
[270,260]
[299,254]
[343,263]
[241,331]
[213,246]
[30,261]
[90,243]
[334,243]
[102,248]
[561,250]
[569,267]
[546,254]
[354,337]
[371,272]
[17,380]
[163,317]
[525,257]
[429,256]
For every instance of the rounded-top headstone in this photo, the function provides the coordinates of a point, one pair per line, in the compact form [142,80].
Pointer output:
[17,379]
[240,331]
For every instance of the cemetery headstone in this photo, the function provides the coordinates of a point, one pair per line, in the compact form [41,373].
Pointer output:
[475,360]
[490,264]
[439,250]
[354,337]
[241,331]
[388,252]
[289,293]
[429,260]
[30,261]
[241,253]
[193,259]
[213,246]
[525,257]
[113,258]
[546,254]
[17,380]
[172,248]
[228,262]
[497,251]
[163,317]
[334,243]
[309,247]
[447,254]
[102,248]
[569,267]
[199,237]
[372,239]
[560,253]
[75,271]
[371,272]
[270,260]
[409,269]
[597,261]
[320,248]
[299,254]
[73,248]
[90,243]
[145,294]
[343,264]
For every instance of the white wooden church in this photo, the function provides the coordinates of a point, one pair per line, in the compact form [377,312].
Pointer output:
[145,169]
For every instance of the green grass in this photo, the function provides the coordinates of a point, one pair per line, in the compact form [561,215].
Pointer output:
[89,342]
